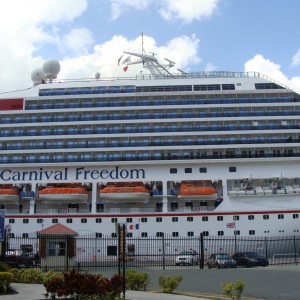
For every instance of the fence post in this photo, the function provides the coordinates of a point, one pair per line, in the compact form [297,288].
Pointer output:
[295,250]
[201,251]
[163,251]
[266,244]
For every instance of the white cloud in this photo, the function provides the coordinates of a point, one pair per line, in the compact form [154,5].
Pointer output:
[118,7]
[182,50]
[24,27]
[187,10]
[296,59]
[184,10]
[268,68]
[78,40]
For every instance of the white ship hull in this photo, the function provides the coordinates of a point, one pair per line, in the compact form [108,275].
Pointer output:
[239,131]
[124,197]
[61,198]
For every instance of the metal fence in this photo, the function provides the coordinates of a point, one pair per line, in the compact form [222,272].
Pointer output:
[92,252]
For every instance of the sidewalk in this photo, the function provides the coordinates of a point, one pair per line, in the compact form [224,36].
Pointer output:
[37,292]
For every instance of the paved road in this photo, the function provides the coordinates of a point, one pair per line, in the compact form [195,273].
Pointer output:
[272,283]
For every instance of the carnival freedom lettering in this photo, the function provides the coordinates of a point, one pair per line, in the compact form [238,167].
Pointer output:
[81,174]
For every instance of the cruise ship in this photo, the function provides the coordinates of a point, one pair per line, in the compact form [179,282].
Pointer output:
[163,152]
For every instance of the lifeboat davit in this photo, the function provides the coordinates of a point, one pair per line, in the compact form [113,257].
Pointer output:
[9,194]
[197,190]
[64,194]
[125,192]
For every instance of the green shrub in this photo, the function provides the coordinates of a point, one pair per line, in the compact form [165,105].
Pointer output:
[169,283]
[137,281]
[4,267]
[233,290]
[83,286]
[5,280]
[28,275]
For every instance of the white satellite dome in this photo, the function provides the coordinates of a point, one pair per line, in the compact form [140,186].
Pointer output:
[97,75]
[51,68]
[37,76]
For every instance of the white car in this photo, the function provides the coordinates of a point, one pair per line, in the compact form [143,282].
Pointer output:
[187,257]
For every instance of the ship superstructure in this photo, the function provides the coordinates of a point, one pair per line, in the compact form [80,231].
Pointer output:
[210,152]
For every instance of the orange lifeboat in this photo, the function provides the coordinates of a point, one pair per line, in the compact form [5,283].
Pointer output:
[197,190]
[125,192]
[73,194]
[9,194]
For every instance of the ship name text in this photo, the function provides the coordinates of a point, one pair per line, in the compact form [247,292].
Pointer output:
[81,174]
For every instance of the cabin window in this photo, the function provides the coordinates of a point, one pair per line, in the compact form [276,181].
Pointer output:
[188,170]
[190,233]
[266,217]
[159,234]
[205,233]
[54,220]
[144,220]
[98,235]
[295,216]
[40,221]
[251,217]
[174,219]
[11,221]
[220,233]
[251,232]
[98,220]
[25,221]
[83,220]
[129,234]
[237,232]
[280,216]
[11,235]
[203,170]
[114,220]
[175,234]
[25,235]
[159,220]
[128,220]
[144,234]
[220,218]
[113,234]
[56,248]
[232,169]
[204,219]
[173,171]
[69,220]
[236,218]
[190,219]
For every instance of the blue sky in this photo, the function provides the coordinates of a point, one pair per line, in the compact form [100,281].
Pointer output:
[88,36]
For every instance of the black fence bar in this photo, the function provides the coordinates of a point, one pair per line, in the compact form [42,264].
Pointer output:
[95,252]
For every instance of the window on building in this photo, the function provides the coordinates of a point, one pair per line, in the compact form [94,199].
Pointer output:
[159,234]
[205,233]
[144,234]
[204,219]
[69,221]
[25,221]
[54,221]
[190,219]
[175,234]
[281,216]
[266,217]
[128,220]
[11,221]
[173,171]
[251,232]
[98,234]
[83,220]
[295,216]
[144,220]
[114,220]
[190,233]
[232,169]
[56,248]
[203,170]
[159,220]
[251,217]
[220,232]
[98,220]
[237,232]
[220,218]
[174,219]
[187,170]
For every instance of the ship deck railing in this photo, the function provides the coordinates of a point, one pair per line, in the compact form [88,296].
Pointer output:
[86,211]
